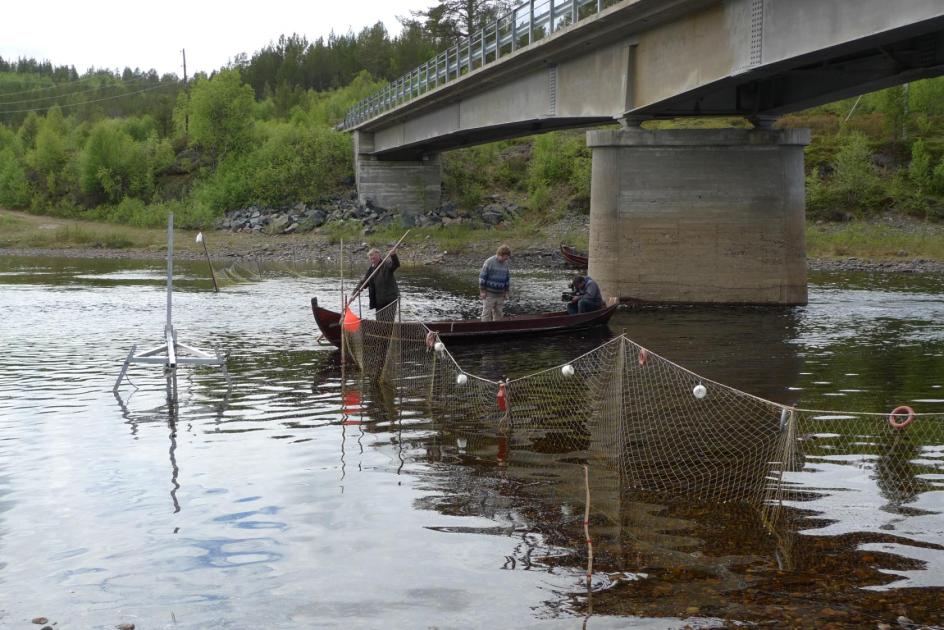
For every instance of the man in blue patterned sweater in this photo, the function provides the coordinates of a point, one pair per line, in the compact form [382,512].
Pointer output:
[494,282]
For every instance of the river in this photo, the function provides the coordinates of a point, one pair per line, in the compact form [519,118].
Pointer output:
[260,507]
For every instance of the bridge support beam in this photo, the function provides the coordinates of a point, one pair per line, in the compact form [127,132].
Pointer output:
[409,186]
[699,216]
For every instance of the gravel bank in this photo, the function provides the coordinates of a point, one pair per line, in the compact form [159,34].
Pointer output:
[543,257]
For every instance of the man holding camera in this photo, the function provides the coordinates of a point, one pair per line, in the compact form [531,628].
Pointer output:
[586,296]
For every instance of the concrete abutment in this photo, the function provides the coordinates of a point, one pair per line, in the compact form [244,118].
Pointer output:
[408,186]
[699,216]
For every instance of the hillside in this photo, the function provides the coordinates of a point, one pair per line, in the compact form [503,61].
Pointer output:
[229,148]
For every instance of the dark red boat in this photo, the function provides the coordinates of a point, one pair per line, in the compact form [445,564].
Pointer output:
[573,257]
[475,330]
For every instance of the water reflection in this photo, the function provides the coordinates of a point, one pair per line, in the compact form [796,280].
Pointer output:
[301,501]
[168,414]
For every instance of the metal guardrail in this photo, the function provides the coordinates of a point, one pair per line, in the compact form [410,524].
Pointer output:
[527,24]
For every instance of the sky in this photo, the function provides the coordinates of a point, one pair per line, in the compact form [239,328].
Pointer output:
[112,35]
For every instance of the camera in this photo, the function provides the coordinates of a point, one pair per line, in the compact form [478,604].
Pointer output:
[567,296]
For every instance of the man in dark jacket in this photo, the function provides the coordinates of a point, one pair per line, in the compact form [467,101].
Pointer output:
[382,287]
[587,296]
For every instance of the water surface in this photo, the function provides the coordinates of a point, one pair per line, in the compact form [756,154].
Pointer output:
[282,503]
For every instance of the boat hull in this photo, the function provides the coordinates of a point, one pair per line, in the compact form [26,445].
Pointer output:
[329,322]
[571,256]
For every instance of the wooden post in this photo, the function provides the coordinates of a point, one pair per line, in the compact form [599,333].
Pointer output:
[201,239]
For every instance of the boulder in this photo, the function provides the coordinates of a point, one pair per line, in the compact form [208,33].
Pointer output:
[278,224]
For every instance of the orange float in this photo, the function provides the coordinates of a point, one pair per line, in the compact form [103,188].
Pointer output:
[352,323]
[902,410]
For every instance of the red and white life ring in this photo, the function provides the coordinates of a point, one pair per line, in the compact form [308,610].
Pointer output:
[902,410]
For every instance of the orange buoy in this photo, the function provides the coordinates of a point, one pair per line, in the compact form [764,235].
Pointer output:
[903,410]
[352,323]
[502,401]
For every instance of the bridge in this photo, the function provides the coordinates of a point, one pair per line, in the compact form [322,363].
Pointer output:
[676,215]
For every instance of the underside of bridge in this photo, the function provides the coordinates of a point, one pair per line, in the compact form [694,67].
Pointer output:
[864,65]
[676,216]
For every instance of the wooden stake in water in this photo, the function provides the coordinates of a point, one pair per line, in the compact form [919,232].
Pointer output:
[341,323]
[586,527]
[200,239]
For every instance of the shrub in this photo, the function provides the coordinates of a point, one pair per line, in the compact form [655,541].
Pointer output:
[857,186]
[919,170]
[14,189]
[296,163]
[49,160]
[906,196]
[221,114]
[467,173]
[114,165]
[559,161]
[291,164]
[937,178]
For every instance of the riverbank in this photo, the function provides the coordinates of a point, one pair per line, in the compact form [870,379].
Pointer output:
[891,244]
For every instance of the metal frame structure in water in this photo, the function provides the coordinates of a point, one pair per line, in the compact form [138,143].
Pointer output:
[172,353]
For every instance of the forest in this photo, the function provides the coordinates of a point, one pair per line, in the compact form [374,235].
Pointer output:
[130,146]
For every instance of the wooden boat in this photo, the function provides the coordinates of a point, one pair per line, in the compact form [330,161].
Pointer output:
[570,255]
[476,330]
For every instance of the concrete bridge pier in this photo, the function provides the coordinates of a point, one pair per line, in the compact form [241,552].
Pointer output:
[409,186]
[699,216]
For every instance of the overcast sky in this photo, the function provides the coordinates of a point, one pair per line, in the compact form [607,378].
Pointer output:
[112,34]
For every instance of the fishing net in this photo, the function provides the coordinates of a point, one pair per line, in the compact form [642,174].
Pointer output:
[658,426]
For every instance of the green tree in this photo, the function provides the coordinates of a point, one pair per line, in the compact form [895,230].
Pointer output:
[919,170]
[14,189]
[894,105]
[114,165]
[50,158]
[927,97]
[449,20]
[854,179]
[221,114]
[937,178]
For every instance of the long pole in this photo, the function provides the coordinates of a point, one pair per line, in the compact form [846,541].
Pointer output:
[341,323]
[376,269]
[170,266]
[216,287]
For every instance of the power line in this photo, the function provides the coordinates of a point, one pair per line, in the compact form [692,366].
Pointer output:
[99,75]
[98,100]
[65,94]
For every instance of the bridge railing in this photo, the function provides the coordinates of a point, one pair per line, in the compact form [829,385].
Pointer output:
[525,25]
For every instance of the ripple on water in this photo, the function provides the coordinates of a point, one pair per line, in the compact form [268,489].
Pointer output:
[232,508]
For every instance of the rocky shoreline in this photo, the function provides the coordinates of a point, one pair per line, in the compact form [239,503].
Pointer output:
[303,218]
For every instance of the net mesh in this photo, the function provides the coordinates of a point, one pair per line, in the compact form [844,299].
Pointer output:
[661,427]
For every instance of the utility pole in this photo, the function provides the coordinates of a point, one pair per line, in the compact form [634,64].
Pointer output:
[183,51]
